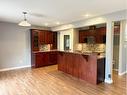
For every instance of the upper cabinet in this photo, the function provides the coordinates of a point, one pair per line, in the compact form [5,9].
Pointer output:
[54,40]
[101,35]
[40,37]
[35,40]
[46,37]
[93,35]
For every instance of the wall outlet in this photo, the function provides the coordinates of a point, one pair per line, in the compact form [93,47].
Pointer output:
[109,75]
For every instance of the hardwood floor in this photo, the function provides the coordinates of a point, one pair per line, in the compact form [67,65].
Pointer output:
[50,81]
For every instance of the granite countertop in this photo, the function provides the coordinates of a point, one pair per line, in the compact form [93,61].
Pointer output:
[99,56]
[44,51]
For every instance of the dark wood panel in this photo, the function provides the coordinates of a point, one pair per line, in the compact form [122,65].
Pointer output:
[41,59]
[40,37]
[34,40]
[100,70]
[54,40]
[84,67]
[99,34]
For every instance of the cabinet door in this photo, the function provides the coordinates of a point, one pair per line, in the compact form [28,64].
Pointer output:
[38,60]
[34,40]
[48,37]
[53,58]
[42,37]
[46,58]
[54,40]
[81,36]
[100,70]
[100,35]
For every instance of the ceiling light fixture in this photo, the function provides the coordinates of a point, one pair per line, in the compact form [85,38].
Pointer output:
[24,22]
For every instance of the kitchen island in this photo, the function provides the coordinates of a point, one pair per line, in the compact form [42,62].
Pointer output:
[86,66]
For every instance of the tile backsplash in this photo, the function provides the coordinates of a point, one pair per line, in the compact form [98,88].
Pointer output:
[90,47]
[45,47]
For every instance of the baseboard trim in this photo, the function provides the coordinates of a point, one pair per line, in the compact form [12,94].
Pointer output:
[14,68]
[122,73]
[108,81]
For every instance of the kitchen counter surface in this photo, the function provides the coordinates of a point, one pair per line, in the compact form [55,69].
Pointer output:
[99,56]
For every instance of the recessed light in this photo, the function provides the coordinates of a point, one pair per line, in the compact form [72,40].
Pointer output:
[46,24]
[86,15]
[58,23]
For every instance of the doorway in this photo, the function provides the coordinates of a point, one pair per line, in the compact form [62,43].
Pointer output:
[116,46]
[66,42]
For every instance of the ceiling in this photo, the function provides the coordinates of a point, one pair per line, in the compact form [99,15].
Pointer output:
[50,12]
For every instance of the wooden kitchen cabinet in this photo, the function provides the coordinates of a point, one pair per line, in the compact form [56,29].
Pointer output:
[83,36]
[45,37]
[40,37]
[52,57]
[40,59]
[48,37]
[99,35]
[34,40]
[54,40]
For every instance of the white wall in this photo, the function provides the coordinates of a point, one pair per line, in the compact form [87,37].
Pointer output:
[61,38]
[74,38]
[14,45]
[123,48]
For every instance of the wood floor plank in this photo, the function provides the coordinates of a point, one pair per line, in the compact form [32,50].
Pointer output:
[50,81]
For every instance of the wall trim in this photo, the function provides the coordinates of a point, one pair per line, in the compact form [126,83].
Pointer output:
[14,68]
[120,74]
[108,81]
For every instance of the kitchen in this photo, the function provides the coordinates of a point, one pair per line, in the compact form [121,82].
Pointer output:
[63,47]
[88,51]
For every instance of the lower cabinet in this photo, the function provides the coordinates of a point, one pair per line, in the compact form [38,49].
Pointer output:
[41,59]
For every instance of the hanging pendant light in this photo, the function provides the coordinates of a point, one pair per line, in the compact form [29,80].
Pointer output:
[24,22]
